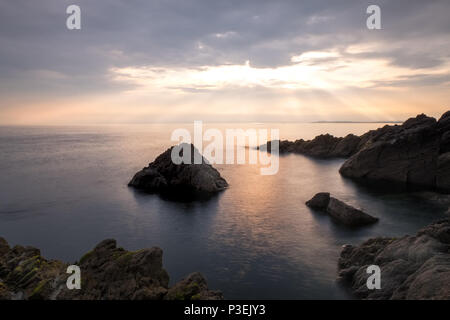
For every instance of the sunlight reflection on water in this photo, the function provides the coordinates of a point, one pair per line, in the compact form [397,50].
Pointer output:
[64,189]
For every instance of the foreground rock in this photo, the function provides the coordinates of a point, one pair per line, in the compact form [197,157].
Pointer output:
[415,153]
[340,211]
[412,267]
[185,180]
[323,146]
[107,273]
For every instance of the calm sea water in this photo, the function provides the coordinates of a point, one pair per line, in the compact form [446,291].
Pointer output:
[64,189]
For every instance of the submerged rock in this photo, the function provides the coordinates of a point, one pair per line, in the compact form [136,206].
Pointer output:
[107,273]
[340,211]
[186,180]
[412,267]
[414,153]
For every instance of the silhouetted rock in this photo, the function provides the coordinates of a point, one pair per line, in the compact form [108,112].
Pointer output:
[323,146]
[414,153]
[320,201]
[340,211]
[107,273]
[348,215]
[443,172]
[186,179]
[347,146]
[412,267]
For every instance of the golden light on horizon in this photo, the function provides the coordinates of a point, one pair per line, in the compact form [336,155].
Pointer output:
[317,85]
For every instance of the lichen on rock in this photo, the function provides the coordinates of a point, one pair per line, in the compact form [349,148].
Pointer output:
[108,273]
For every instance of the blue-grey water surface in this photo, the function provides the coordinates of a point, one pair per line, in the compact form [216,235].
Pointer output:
[64,189]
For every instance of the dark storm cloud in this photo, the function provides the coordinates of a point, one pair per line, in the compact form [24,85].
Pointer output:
[38,53]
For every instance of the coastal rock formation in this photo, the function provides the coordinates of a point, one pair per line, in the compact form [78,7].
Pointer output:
[24,274]
[186,179]
[412,267]
[414,153]
[340,211]
[320,201]
[348,215]
[323,146]
[193,287]
[107,273]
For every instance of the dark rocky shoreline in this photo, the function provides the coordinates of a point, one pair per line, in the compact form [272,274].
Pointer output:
[108,272]
[324,146]
[415,153]
[412,267]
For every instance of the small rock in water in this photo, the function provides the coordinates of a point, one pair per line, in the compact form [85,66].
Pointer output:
[319,201]
[340,211]
[348,215]
[184,180]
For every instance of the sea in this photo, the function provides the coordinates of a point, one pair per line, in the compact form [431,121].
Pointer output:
[64,189]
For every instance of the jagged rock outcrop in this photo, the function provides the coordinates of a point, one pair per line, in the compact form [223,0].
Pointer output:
[323,146]
[412,267]
[107,273]
[24,274]
[193,287]
[186,179]
[340,211]
[414,153]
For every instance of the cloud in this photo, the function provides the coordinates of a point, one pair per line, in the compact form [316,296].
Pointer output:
[198,47]
[328,70]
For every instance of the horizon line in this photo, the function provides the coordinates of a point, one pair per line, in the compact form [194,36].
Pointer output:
[173,122]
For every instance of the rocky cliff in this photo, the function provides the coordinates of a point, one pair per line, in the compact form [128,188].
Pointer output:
[414,153]
[412,267]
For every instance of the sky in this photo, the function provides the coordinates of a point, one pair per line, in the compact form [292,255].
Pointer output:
[143,61]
